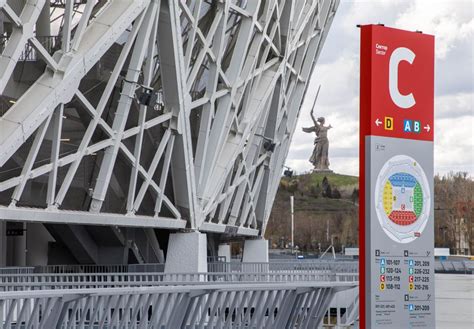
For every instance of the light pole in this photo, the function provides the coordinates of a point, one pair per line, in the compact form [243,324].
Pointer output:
[292,223]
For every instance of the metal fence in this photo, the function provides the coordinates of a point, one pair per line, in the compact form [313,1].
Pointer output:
[333,266]
[92,268]
[16,270]
[126,296]
[213,266]
[49,281]
[262,305]
[287,294]
[294,266]
[454,266]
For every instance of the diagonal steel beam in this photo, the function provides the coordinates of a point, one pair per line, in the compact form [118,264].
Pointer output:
[53,88]
[124,104]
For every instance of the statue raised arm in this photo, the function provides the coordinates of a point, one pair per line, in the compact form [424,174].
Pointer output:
[312,117]
[319,158]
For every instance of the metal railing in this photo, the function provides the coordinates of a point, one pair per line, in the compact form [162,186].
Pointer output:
[214,266]
[444,266]
[28,300]
[270,305]
[45,281]
[454,266]
[295,266]
[91,268]
[16,270]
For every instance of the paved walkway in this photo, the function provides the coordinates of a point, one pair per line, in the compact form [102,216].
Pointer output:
[454,301]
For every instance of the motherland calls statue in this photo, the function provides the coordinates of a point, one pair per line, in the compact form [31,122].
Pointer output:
[319,158]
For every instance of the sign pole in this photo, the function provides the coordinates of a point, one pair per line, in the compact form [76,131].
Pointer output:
[396,216]
[292,224]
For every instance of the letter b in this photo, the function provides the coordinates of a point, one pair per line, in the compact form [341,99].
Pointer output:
[416,126]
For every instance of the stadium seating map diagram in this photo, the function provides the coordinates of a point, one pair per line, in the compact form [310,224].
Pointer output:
[402,199]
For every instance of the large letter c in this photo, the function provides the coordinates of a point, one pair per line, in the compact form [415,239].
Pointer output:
[398,55]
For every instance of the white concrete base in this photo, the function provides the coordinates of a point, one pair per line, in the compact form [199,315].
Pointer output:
[187,252]
[224,251]
[255,251]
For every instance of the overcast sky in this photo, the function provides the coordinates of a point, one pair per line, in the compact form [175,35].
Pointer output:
[452,23]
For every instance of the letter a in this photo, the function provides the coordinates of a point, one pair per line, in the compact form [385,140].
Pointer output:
[407,127]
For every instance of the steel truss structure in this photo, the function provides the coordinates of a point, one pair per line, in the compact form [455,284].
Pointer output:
[264,305]
[152,113]
[275,295]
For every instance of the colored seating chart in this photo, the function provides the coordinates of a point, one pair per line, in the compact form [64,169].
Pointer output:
[402,199]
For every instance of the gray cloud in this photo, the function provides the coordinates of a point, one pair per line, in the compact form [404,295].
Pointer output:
[452,23]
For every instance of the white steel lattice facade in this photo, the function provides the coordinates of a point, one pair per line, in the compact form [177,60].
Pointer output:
[80,143]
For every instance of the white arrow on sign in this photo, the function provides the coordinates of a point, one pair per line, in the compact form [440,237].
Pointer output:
[427,128]
[378,122]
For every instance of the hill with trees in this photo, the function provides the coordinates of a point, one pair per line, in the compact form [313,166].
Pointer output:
[327,206]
